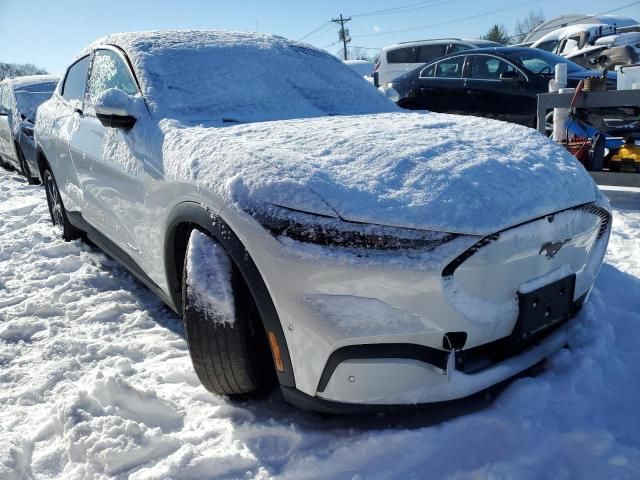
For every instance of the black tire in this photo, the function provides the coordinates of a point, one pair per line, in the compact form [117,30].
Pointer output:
[229,359]
[56,208]
[7,166]
[24,167]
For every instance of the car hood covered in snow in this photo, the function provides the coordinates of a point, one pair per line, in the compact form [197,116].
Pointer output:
[416,170]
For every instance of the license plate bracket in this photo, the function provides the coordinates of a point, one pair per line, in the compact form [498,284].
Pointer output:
[544,307]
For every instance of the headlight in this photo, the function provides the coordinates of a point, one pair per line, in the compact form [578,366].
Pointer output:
[329,231]
[390,92]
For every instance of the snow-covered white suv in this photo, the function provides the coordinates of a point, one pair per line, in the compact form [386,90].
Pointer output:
[304,225]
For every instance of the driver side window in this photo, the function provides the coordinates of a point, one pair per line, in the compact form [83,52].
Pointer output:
[109,70]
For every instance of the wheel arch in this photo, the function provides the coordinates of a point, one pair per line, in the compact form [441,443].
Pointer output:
[41,160]
[183,219]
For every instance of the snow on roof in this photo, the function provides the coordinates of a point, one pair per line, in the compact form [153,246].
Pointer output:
[239,75]
[28,80]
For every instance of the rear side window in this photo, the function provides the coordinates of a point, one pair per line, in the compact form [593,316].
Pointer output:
[426,53]
[109,71]
[402,55]
[455,48]
[74,82]
[450,68]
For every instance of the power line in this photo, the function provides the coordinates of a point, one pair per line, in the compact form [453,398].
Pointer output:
[324,25]
[399,9]
[433,25]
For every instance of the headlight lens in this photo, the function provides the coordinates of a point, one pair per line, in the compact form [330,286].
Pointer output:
[329,231]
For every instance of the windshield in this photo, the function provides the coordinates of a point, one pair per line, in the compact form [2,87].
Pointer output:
[247,82]
[539,61]
[30,97]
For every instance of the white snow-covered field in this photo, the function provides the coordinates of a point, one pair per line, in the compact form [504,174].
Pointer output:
[96,383]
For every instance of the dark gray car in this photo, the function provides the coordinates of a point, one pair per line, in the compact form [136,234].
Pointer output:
[19,101]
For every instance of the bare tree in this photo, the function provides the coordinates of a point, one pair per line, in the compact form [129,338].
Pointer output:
[525,26]
[359,53]
[17,70]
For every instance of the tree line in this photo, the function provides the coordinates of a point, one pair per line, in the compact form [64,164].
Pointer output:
[18,70]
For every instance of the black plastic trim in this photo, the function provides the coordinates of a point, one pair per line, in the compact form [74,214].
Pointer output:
[199,217]
[410,351]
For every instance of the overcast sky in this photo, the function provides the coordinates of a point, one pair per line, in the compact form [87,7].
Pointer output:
[50,33]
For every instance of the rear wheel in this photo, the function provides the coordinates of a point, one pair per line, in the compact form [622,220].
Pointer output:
[24,167]
[56,208]
[224,333]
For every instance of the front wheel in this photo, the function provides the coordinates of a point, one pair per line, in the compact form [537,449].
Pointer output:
[226,340]
[56,208]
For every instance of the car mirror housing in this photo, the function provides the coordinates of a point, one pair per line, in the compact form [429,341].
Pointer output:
[114,109]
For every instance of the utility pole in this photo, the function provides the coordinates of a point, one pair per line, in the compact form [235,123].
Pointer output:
[343,34]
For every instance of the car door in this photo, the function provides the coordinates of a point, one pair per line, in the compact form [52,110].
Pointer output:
[62,120]
[498,89]
[7,124]
[5,131]
[441,86]
[110,170]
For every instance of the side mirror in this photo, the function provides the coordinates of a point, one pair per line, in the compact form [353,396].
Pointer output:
[114,109]
[510,77]
[4,112]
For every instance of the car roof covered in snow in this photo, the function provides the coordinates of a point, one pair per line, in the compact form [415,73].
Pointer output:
[209,74]
[28,80]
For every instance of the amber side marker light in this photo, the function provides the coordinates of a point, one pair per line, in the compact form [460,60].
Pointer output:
[275,350]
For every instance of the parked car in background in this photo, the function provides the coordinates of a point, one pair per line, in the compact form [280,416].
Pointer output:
[19,101]
[593,45]
[500,83]
[396,60]
[309,229]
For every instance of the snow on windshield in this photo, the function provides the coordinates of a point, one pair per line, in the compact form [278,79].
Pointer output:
[213,75]
[30,97]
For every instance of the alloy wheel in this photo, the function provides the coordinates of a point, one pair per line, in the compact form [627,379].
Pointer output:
[54,201]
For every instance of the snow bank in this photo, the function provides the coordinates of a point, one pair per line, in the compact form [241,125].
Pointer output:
[103,388]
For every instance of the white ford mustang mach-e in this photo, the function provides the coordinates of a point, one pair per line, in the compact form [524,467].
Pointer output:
[306,227]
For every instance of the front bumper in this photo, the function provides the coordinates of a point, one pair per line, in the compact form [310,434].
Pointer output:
[455,385]
[332,302]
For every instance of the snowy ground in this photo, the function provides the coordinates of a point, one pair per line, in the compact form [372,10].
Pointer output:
[96,383]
